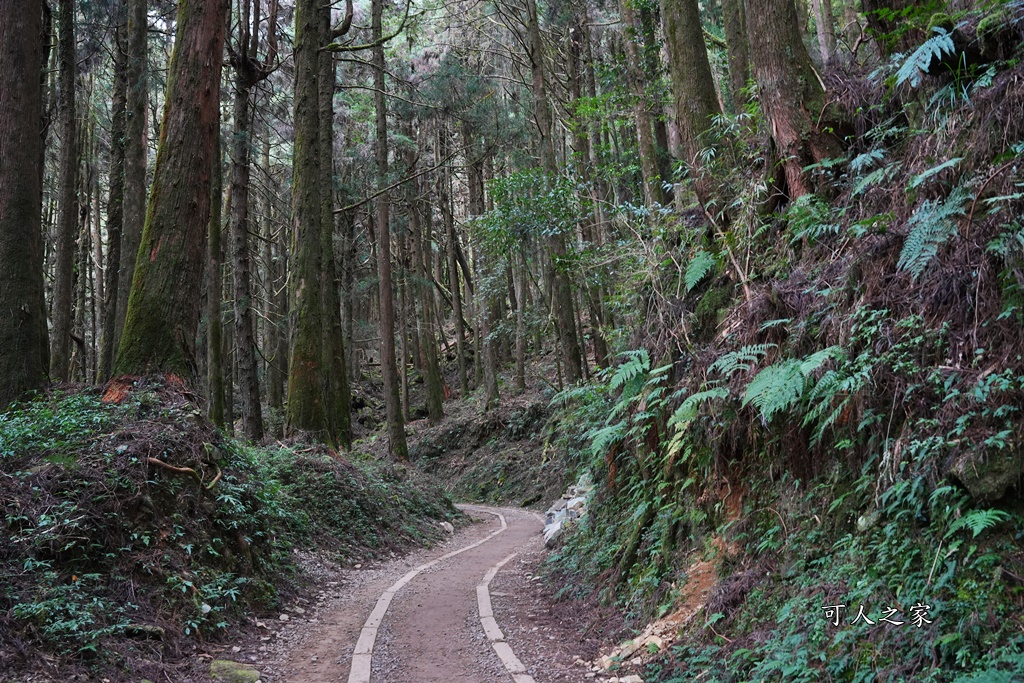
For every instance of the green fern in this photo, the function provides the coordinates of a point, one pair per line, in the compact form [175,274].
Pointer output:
[920,178]
[779,387]
[920,60]
[698,268]
[637,362]
[878,176]
[930,227]
[743,359]
[978,521]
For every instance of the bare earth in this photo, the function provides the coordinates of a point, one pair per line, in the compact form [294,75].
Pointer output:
[431,632]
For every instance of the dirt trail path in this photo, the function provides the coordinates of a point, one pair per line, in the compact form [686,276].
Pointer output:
[418,619]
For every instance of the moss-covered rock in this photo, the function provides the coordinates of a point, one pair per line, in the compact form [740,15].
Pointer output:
[232,672]
[988,477]
[940,20]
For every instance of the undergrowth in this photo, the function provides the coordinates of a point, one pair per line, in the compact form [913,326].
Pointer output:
[132,528]
[825,401]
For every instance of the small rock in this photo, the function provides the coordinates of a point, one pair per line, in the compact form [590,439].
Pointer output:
[260,624]
[358,566]
[632,678]
[236,649]
[447,526]
[284,617]
[314,658]
[298,610]
[233,672]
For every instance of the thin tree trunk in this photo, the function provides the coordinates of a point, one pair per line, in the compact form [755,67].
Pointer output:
[561,289]
[734,20]
[214,289]
[245,341]
[134,156]
[638,84]
[444,197]
[396,425]
[60,349]
[115,210]
[825,28]
[163,309]
[433,385]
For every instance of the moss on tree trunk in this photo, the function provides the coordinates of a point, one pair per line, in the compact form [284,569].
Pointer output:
[163,307]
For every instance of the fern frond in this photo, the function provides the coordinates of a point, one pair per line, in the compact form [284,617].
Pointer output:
[919,179]
[776,388]
[920,60]
[879,175]
[735,361]
[978,521]
[687,411]
[698,268]
[637,362]
[930,227]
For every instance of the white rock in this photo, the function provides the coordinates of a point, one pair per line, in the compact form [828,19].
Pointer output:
[298,610]
[284,617]
[447,526]
[236,649]
[632,678]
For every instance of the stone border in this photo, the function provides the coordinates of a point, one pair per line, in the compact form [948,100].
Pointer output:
[491,630]
[362,657]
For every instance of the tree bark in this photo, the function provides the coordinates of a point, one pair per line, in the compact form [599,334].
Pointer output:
[163,308]
[115,209]
[792,95]
[245,339]
[396,425]
[561,299]
[692,83]
[67,183]
[825,28]
[307,409]
[134,156]
[215,289]
[638,84]
[23,342]
[734,20]
[338,395]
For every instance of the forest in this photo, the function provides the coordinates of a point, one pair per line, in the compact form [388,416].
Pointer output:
[283,279]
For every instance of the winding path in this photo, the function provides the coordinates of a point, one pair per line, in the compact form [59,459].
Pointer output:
[433,624]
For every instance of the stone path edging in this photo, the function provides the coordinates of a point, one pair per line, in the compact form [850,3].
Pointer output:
[362,657]
[491,630]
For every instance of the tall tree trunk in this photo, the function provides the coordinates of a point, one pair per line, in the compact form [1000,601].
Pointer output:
[825,28]
[60,349]
[638,84]
[115,209]
[792,95]
[338,396]
[134,156]
[488,317]
[163,308]
[734,20]
[307,409]
[445,200]
[215,289]
[273,241]
[561,299]
[245,340]
[432,381]
[396,425]
[692,82]
[23,342]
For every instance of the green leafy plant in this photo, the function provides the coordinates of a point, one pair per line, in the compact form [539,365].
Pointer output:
[931,226]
